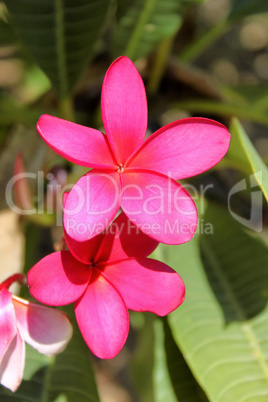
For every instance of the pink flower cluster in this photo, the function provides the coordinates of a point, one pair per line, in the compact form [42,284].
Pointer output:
[104,277]
[106,270]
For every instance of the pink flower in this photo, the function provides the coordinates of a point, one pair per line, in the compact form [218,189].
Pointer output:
[138,176]
[45,329]
[104,277]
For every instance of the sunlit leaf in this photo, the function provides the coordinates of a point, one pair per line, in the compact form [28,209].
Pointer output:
[222,327]
[60,35]
[34,85]
[244,155]
[173,380]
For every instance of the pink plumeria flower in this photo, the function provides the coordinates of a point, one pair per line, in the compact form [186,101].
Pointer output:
[104,277]
[45,329]
[138,176]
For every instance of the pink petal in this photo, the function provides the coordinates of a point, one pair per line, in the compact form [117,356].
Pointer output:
[79,144]
[124,240]
[184,148]
[46,329]
[8,326]
[64,198]
[147,285]
[58,279]
[159,206]
[124,108]
[91,205]
[12,364]
[83,251]
[102,318]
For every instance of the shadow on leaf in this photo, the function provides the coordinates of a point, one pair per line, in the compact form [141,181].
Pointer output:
[235,262]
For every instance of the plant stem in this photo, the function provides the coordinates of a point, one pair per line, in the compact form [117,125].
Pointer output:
[224,109]
[16,277]
[138,30]
[159,65]
[66,108]
[202,43]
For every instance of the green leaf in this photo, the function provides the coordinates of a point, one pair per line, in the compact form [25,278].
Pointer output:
[67,377]
[244,8]
[34,85]
[253,95]
[222,327]
[245,111]
[60,34]
[243,155]
[142,25]
[239,10]
[141,373]
[173,380]
[200,44]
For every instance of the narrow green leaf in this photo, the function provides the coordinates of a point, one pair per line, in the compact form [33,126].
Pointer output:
[142,25]
[159,65]
[239,10]
[222,326]
[67,377]
[243,154]
[254,96]
[173,380]
[199,45]
[224,109]
[60,34]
